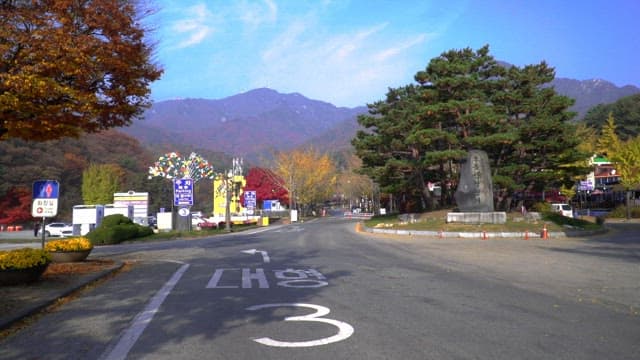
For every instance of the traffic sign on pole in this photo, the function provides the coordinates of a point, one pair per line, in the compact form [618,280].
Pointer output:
[45,198]
[183,192]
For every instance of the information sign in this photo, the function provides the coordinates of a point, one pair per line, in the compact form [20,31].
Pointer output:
[183,192]
[45,198]
[250,199]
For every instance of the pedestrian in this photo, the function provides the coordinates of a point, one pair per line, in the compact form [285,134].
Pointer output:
[36,226]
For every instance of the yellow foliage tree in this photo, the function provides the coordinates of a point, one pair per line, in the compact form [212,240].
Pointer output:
[627,162]
[100,181]
[608,142]
[309,176]
[351,185]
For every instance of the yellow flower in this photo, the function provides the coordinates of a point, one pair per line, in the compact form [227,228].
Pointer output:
[23,258]
[71,244]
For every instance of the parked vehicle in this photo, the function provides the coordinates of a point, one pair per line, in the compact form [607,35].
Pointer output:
[202,223]
[562,209]
[58,229]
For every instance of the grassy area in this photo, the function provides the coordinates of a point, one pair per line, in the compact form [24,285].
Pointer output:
[435,221]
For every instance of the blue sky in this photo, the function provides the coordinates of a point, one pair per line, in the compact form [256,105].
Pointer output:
[349,53]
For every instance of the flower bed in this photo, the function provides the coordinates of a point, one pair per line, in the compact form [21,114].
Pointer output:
[23,258]
[69,250]
[22,265]
[70,244]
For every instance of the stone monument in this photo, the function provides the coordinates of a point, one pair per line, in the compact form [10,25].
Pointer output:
[474,195]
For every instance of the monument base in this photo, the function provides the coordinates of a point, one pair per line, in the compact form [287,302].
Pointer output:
[494,217]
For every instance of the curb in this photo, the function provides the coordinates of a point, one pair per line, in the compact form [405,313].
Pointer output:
[44,303]
[484,235]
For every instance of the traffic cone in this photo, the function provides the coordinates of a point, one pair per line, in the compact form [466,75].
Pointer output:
[484,235]
[545,233]
[526,234]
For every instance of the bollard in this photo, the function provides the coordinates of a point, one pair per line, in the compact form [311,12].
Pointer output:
[545,233]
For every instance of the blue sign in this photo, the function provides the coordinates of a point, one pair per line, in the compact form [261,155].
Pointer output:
[45,189]
[250,199]
[585,186]
[183,192]
[45,198]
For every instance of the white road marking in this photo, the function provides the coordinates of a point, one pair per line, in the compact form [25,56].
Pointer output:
[140,322]
[344,330]
[215,279]
[265,255]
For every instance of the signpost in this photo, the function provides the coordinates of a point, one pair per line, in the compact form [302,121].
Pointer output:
[250,201]
[45,201]
[183,192]
[183,198]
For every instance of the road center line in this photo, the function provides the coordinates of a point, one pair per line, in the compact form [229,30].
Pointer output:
[129,338]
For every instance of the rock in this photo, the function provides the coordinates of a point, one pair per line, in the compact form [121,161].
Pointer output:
[475,188]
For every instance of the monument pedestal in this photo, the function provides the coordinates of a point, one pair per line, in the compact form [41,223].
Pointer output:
[489,217]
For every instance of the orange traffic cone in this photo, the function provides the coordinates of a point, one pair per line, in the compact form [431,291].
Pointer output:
[545,233]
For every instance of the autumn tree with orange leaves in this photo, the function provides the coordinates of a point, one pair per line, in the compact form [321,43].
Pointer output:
[69,66]
[309,176]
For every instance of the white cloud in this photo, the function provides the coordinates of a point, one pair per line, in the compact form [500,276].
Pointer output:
[254,14]
[352,43]
[193,28]
[399,49]
[343,69]
[284,42]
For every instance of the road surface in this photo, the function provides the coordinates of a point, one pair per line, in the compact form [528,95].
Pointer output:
[319,290]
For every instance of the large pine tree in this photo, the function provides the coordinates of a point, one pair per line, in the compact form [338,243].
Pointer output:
[464,100]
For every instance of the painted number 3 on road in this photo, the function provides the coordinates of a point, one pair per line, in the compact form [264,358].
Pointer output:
[344,330]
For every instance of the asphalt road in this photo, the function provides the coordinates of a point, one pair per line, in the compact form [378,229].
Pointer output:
[319,290]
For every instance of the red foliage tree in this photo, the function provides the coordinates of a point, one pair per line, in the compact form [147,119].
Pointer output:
[15,206]
[267,185]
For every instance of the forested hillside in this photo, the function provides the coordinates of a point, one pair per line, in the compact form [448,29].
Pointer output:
[22,162]
[626,113]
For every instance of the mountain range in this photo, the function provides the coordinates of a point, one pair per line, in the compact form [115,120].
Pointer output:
[256,123]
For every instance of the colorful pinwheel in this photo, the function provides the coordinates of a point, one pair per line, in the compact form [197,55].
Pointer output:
[173,166]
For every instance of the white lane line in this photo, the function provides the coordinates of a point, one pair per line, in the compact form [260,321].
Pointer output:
[140,322]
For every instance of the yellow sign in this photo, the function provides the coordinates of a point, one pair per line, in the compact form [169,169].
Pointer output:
[236,186]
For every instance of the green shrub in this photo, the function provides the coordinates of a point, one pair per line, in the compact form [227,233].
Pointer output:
[115,219]
[23,258]
[144,231]
[115,229]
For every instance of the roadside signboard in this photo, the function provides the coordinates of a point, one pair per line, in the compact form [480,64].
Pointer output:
[45,198]
[585,185]
[139,201]
[183,192]
[250,201]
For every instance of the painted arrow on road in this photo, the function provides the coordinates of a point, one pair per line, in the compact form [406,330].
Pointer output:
[265,256]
